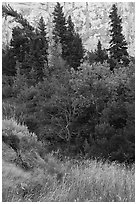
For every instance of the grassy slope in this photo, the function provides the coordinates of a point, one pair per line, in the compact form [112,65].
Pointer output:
[53,180]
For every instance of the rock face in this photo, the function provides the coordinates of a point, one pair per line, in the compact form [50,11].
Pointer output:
[91,20]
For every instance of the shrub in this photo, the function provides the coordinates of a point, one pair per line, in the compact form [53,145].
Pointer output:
[90,106]
[7,89]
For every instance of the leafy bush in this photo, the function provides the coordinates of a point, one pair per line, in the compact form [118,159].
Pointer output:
[81,111]
[7,90]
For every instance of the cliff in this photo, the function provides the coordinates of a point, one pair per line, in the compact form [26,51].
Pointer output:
[91,20]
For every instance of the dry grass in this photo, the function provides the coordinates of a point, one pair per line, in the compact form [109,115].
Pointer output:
[89,181]
[69,181]
[95,182]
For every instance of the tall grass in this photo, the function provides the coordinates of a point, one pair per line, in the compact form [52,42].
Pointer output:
[62,181]
[87,182]
[10,110]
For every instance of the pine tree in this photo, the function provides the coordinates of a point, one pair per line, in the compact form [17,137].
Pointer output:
[8,62]
[77,51]
[64,33]
[101,54]
[44,40]
[69,41]
[74,50]
[118,44]
[59,31]
[19,43]
[29,46]
[39,51]
[21,38]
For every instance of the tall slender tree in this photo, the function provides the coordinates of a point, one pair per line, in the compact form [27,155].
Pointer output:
[69,41]
[64,33]
[44,41]
[101,54]
[59,30]
[20,43]
[21,38]
[39,50]
[77,51]
[29,46]
[8,62]
[118,44]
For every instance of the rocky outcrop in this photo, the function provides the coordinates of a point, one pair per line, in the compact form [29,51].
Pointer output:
[91,20]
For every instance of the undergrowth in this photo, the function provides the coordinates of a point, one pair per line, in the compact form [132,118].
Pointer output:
[53,180]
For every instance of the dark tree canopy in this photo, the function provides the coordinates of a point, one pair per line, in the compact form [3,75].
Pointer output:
[101,54]
[64,33]
[74,49]
[8,62]
[39,50]
[59,31]
[118,44]
[28,46]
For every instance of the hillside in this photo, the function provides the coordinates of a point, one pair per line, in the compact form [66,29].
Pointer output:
[53,180]
[91,20]
[68,116]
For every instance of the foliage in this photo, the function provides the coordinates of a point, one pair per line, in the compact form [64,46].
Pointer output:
[101,54]
[8,62]
[118,44]
[7,82]
[80,112]
[39,53]
[90,57]
[59,30]
[31,53]
[64,33]
[29,46]
[86,110]
[74,50]
[84,180]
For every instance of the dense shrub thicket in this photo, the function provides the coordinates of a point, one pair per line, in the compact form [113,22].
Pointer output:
[86,110]
[89,111]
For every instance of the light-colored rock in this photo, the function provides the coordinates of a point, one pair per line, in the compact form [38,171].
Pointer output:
[91,20]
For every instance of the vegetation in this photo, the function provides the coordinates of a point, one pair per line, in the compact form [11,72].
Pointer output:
[74,49]
[118,44]
[64,34]
[72,117]
[101,54]
[78,111]
[56,179]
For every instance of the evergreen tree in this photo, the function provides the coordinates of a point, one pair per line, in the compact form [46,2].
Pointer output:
[74,50]
[69,41]
[77,51]
[44,40]
[21,38]
[59,31]
[101,54]
[29,46]
[64,33]
[21,47]
[8,62]
[39,51]
[118,44]
[19,43]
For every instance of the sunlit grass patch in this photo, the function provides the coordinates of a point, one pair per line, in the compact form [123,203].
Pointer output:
[95,183]
[12,125]
[53,180]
